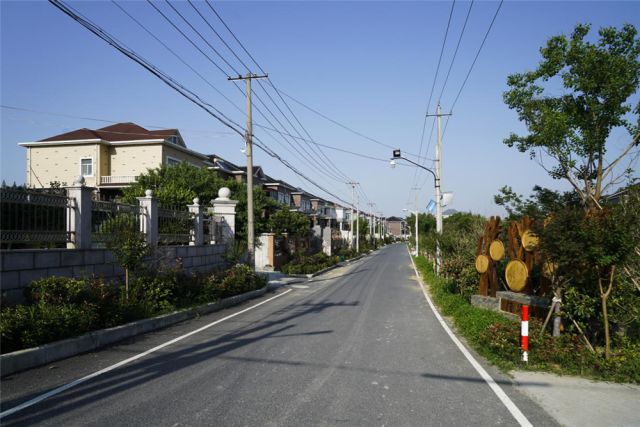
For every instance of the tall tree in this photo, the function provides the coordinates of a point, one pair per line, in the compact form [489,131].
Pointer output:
[573,101]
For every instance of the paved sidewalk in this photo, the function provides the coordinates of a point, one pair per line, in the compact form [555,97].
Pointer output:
[581,402]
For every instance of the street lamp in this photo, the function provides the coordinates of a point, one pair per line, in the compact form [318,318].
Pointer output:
[416,214]
[397,154]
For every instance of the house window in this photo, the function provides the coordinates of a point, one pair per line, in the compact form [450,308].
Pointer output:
[172,162]
[86,167]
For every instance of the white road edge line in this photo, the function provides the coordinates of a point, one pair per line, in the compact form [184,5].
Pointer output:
[515,411]
[65,387]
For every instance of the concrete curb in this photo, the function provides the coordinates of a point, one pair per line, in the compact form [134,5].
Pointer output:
[21,360]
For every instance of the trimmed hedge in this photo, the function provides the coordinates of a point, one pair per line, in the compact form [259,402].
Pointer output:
[62,307]
[310,264]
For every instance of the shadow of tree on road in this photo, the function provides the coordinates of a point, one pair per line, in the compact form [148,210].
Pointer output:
[164,362]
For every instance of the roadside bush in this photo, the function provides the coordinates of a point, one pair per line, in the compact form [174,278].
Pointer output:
[497,337]
[27,326]
[310,264]
[58,290]
[62,307]
[154,294]
[240,278]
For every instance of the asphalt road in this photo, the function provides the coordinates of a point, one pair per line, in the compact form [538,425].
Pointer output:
[356,346]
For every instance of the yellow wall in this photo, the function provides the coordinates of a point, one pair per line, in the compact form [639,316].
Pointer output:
[180,155]
[105,161]
[132,160]
[60,163]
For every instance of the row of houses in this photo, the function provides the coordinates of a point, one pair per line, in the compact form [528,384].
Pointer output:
[112,157]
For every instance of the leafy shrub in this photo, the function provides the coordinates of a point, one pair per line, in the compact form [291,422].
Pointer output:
[497,337]
[155,294]
[63,307]
[27,326]
[240,278]
[310,264]
[58,290]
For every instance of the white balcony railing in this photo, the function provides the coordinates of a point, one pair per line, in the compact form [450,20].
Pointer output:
[117,179]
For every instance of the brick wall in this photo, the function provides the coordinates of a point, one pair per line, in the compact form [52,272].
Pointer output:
[20,267]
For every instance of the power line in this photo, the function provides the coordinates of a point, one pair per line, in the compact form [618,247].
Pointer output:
[165,78]
[470,69]
[96,30]
[477,54]
[220,37]
[211,133]
[329,162]
[455,53]
[312,161]
[184,62]
[433,85]
[177,56]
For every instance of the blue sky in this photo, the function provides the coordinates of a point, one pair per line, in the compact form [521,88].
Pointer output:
[369,65]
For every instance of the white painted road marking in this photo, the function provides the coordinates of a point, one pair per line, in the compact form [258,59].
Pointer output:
[129,360]
[515,411]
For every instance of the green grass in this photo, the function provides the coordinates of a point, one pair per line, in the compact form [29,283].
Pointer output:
[497,338]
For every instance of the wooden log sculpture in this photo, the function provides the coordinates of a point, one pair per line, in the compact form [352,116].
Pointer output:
[524,254]
[488,251]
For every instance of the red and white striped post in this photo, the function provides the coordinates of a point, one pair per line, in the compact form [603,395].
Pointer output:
[524,332]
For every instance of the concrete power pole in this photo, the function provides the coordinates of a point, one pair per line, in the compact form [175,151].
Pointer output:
[371,238]
[249,140]
[438,176]
[353,191]
[357,223]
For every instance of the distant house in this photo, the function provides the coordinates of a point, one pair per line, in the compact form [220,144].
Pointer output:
[108,158]
[396,226]
[279,190]
[448,213]
[227,170]
[302,201]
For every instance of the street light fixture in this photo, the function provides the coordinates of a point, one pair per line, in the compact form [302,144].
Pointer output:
[397,154]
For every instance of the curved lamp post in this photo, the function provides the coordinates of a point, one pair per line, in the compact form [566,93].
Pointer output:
[397,154]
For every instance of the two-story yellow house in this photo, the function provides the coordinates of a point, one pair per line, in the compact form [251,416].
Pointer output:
[108,158]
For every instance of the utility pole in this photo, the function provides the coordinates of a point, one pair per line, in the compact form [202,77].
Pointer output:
[416,189]
[249,140]
[353,192]
[357,223]
[438,176]
[371,239]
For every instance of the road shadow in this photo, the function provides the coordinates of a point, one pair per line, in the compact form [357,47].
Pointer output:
[164,362]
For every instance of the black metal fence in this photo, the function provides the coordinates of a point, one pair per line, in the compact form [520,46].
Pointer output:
[32,218]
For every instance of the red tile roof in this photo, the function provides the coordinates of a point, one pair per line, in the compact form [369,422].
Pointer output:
[117,132]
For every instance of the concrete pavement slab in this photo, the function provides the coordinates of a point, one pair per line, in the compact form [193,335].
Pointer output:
[574,401]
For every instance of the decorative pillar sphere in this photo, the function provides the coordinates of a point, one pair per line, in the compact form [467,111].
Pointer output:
[224,193]
[148,193]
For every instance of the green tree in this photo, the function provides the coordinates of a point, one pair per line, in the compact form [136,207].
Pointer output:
[263,207]
[542,203]
[596,80]
[287,221]
[296,224]
[589,247]
[126,242]
[178,185]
